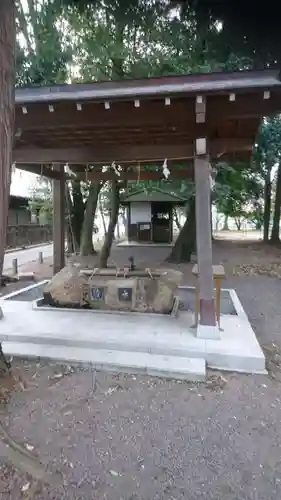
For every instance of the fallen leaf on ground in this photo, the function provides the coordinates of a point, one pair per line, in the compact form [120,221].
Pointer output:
[114,473]
[29,447]
[111,390]
[216,382]
[25,487]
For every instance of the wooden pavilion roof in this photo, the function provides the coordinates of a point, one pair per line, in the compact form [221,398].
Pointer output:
[136,122]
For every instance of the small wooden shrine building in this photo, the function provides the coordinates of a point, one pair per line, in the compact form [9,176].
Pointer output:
[19,213]
[196,120]
[150,215]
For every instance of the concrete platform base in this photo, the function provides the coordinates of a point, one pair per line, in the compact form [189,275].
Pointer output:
[192,369]
[208,332]
[148,343]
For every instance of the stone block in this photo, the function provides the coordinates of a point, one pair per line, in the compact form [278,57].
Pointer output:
[65,288]
[26,276]
[149,292]
[105,289]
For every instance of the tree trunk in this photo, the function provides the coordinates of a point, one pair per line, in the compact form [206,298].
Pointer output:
[211,219]
[225,223]
[4,364]
[69,240]
[176,219]
[71,244]
[77,215]
[102,215]
[238,223]
[277,207]
[115,202]
[186,241]
[118,230]
[267,205]
[86,247]
[7,98]
[7,111]
[109,213]
[125,222]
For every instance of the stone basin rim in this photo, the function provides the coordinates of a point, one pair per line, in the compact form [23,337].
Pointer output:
[123,273]
[39,305]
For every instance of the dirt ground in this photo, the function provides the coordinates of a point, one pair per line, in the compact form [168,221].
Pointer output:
[123,437]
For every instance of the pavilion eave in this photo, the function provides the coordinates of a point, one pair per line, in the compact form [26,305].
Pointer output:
[142,122]
[182,84]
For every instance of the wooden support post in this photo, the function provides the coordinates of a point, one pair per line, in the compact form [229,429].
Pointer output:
[58,223]
[15,267]
[40,257]
[218,275]
[218,301]
[204,242]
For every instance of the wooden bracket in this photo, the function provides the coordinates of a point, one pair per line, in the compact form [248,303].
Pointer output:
[200,109]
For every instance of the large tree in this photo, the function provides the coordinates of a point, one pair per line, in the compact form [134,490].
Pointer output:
[238,192]
[275,234]
[246,28]
[44,47]
[266,156]
[7,82]
[45,56]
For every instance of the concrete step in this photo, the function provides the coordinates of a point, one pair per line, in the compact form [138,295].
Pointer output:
[183,368]
[155,334]
[148,343]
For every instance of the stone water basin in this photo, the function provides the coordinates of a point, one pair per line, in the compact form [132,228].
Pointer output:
[34,292]
[138,290]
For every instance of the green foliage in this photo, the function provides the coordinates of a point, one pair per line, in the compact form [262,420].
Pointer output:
[44,47]
[267,152]
[116,39]
[247,30]
[41,204]
[238,191]
[115,42]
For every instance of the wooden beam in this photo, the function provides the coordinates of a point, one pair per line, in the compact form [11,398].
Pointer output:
[125,154]
[104,155]
[62,137]
[204,243]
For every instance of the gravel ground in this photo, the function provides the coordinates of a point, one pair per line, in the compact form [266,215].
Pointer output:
[135,438]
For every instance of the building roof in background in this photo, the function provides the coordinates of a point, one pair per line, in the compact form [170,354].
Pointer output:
[18,201]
